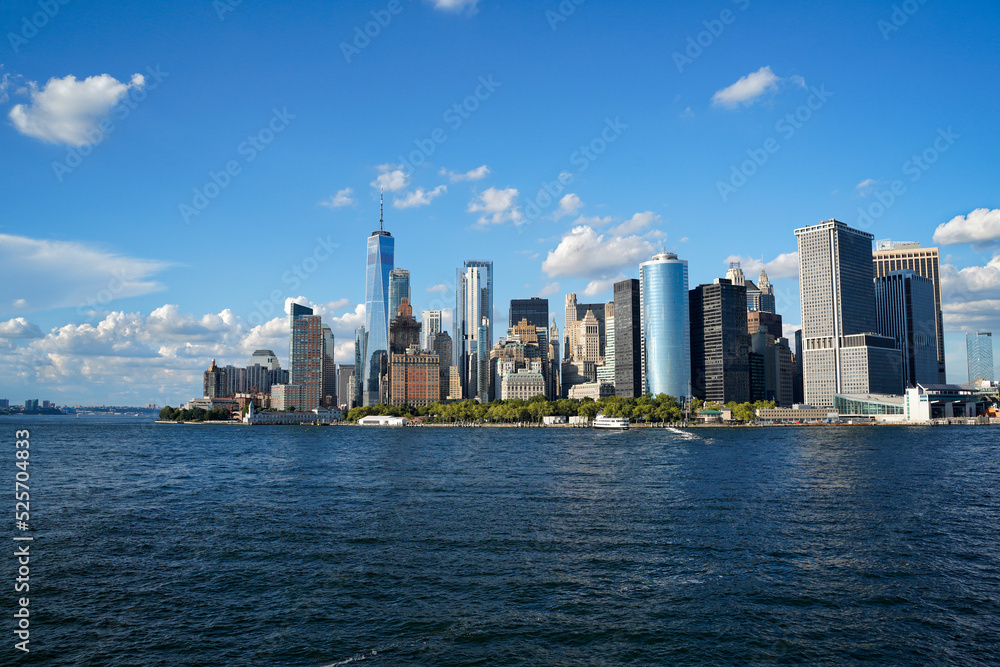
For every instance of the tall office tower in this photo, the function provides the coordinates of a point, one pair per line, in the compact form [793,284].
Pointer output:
[329,394]
[399,289]
[555,362]
[575,312]
[904,311]
[889,256]
[979,347]
[306,359]
[430,327]
[628,339]
[473,306]
[443,347]
[415,377]
[381,255]
[735,274]
[666,327]
[842,354]
[214,382]
[764,299]
[606,371]
[345,393]
[798,390]
[482,361]
[358,388]
[535,310]
[404,330]
[762,318]
[720,344]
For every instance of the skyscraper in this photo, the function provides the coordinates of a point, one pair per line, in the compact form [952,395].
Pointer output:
[606,371]
[889,256]
[535,310]
[979,347]
[575,312]
[399,289]
[842,354]
[473,319]
[430,326]
[628,339]
[214,382]
[404,330]
[904,308]
[381,255]
[306,359]
[720,344]
[666,335]
[764,298]
[357,385]
[329,393]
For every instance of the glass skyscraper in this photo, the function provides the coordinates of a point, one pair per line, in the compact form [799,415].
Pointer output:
[665,324]
[381,254]
[473,321]
[399,289]
[979,346]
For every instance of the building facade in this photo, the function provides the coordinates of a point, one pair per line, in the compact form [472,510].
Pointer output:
[535,310]
[430,327]
[399,289]
[979,348]
[720,345]
[381,256]
[904,310]
[215,382]
[305,354]
[415,378]
[628,339]
[666,334]
[473,323]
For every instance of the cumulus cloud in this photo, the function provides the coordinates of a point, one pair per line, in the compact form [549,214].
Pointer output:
[980,226]
[568,205]
[19,328]
[419,197]
[497,206]
[71,274]
[958,284]
[440,289]
[549,290]
[391,177]
[342,198]
[585,253]
[785,265]
[636,223]
[750,88]
[477,174]
[602,286]
[68,111]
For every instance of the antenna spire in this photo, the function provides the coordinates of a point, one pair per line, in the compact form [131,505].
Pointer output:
[380,200]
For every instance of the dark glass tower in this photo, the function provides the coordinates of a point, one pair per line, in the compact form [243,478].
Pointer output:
[628,339]
[535,310]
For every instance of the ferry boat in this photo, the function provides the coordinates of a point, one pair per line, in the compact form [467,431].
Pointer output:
[616,423]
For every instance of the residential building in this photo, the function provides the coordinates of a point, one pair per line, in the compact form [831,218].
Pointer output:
[979,348]
[606,371]
[265,358]
[285,396]
[4,403]
[444,349]
[720,345]
[889,256]
[381,255]
[628,339]
[215,383]
[904,310]
[328,397]
[415,377]
[664,307]
[306,358]
[473,322]
[762,318]
[837,292]
[399,289]
[430,327]
[535,310]
[345,392]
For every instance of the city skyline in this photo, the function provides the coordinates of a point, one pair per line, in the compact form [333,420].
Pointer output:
[182,233]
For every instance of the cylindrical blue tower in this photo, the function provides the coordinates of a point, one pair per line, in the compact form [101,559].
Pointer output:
[665,323]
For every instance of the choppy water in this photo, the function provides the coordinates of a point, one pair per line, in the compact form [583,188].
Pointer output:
[215,545]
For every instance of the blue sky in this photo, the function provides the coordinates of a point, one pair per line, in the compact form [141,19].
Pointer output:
[240,168]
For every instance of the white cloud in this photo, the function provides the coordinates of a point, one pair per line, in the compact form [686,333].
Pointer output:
[391,177]
[19,328]
[4,86]
[419,197]
[69,111]
[568,205]
[748,89]
[476,174]
[549,290]
[797,80]
[636,223]
[957,284]
[456,5]
[584,253]
[342,198]
[20,303]
[865,186]
[441,289]
[497,207]
[70,274]
[785,265]
[980,226]
[602,286]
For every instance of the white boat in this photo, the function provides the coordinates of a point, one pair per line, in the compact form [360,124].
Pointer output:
[616,423]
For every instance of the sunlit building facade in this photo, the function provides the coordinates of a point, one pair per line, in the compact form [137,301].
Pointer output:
[666,335]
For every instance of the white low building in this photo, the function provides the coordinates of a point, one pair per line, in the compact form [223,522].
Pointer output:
[379,420]
[925,403]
